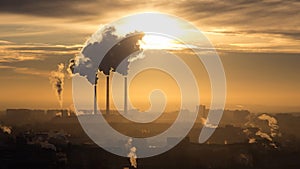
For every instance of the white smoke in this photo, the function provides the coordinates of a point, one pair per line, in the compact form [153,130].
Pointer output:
[5,129]
[140,55]
[132,157]
[57,80]
[251,139]
[273,128]
[132,153]
[264,135]
[272,123]
[208,124]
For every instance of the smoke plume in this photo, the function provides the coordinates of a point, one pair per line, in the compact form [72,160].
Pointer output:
[132,153]
[110,48]
[132,157]
[272,123]
[255,131]
[5,129]
[70,68]
[264,135]
[57,81]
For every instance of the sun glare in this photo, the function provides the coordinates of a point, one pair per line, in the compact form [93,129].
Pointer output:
[151,41]
[149,22]
[171,30]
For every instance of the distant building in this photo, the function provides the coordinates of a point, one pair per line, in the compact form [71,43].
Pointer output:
[202,112]
[228,135]
[235,117]
[17,116]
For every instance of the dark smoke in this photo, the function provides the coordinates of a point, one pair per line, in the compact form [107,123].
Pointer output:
[114,57]
[71,67]
[99,48]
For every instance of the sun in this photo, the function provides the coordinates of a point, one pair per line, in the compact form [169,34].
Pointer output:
[157,42]
[171,30]
[151,22]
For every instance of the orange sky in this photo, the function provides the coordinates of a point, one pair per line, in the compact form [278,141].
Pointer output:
[258,44]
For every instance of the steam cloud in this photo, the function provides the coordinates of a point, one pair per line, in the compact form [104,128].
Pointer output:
[272,124]
[264,135]
[57,81]
[98,47]
[5,129]
[132,156]
[132,153]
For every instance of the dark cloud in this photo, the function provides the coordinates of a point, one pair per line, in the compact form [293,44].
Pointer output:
[243,13]
[282,16]
[277,17]
[45,48]
[294,34]
[65,8]
[42,7]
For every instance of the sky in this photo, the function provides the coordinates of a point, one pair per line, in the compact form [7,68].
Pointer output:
[257,41]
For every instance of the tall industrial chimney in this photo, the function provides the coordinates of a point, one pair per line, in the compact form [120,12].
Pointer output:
[95,94]
[125,94]
[107,94]
[95,98]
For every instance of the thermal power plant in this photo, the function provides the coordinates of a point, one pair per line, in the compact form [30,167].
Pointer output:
[115,60]
[107,95]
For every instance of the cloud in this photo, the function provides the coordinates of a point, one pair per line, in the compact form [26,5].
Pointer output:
[30,71]
[12,52]
[24,71]
[33,59]
[258,16]
[68,8]
[273,24]
[52,8]
[4,42]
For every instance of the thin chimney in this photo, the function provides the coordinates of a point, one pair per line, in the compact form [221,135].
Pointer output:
[125,94]
[95,94]
[107,94]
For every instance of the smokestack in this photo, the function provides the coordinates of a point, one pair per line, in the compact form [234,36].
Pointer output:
[95,94]
[125,94]
[107,94]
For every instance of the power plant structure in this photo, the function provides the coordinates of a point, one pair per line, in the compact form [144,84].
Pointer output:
[116,60]
[107,95]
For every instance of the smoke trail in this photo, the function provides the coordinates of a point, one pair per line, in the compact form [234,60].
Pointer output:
[272,123]
[250,136]
[57,81]
[5,129]
[70,68]
[273,127]
[99,47]
[252,140]
[132,156]
[132,153]
[264,135]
